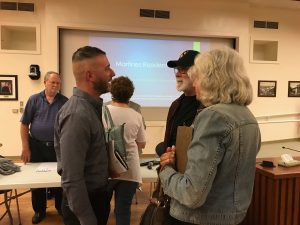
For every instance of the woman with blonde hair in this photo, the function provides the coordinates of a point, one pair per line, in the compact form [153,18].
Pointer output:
[216,187]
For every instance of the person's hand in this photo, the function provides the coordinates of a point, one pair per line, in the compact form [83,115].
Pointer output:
[168,158]
[25,156]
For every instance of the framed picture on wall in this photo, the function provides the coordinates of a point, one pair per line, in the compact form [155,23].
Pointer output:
[8,87]
[267,88]
[294,89]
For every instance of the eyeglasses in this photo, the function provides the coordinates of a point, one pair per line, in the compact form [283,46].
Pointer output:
[181,70]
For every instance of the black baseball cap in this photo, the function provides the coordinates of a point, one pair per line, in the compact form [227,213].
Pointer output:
[186,59]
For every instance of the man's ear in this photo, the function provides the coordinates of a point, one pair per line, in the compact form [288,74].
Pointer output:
[89,75]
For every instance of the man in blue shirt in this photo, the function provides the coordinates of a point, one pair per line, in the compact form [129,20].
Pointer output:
[37,135]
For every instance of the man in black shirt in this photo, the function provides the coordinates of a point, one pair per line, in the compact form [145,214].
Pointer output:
[184,109]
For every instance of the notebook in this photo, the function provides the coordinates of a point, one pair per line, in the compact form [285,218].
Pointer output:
[183,139]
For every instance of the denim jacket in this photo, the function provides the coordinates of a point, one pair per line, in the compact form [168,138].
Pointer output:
[217,185]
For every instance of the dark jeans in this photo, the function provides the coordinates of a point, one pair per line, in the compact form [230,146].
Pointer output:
[99,202]
[39,199]
[42,153]
[124,192]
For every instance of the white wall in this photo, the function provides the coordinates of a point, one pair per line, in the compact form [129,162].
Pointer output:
[198,18]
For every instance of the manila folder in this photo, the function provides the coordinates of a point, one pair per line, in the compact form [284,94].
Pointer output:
[183,140]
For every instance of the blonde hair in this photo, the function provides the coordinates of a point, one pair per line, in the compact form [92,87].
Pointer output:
[220,77]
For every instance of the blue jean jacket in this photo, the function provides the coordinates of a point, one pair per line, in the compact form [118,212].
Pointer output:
[217,185]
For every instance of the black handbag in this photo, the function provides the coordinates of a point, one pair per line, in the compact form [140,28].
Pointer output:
[158,210]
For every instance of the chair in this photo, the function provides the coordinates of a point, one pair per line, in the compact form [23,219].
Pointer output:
[7,201]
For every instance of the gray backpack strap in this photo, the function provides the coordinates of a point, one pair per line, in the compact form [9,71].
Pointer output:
[107,117]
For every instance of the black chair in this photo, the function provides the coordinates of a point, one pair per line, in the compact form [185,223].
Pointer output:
[7,201]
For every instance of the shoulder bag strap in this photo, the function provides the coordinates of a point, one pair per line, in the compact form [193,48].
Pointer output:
[108,118]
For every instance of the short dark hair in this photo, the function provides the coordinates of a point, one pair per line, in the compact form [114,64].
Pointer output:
[86,52]
[122,89]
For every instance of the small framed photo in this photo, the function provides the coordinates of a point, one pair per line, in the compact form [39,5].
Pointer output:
[8,87]
[294,89]
[267,88]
